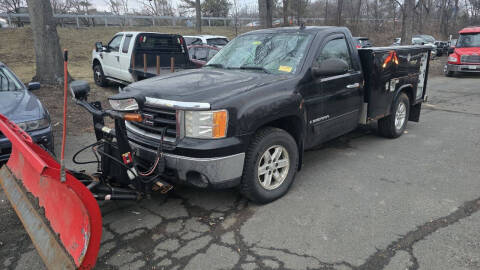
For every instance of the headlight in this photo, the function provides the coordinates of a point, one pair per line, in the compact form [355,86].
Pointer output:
[129,104]
[206,124]
[34,125]
[452,59]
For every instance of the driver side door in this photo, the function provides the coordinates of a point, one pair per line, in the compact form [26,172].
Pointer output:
[334,102]
[111,57]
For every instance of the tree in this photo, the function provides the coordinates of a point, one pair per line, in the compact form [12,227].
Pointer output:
[80,6]
[61,6]
[49,60]
[190,4]
[265,8]
[157,7]
[285,12]
[11,6]
[117,6]
[198,16]
[408,9]
[339,12]
[216,8]
[236,14]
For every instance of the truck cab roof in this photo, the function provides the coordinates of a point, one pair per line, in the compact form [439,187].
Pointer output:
[308,29]
[470,30]
[135,33]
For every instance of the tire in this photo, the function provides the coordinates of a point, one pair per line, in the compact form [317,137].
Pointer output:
[446,72]
[394,125]
[98,76]
[254,184]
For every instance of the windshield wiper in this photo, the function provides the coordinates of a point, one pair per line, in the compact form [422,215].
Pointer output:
[255,68]
[215,65]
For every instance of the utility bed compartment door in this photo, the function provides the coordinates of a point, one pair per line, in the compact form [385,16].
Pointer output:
[389,69]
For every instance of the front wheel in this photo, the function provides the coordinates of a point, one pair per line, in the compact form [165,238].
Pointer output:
[447,72]
[98,76]
[395,124]
[270,165]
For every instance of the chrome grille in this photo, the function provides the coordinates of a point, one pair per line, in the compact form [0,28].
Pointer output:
[155,120]
[470,58]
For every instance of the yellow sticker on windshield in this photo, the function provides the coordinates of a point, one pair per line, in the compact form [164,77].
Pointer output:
[256,42]
[285,68]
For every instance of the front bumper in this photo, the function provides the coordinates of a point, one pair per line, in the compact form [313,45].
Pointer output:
[215,172]
[463,68]
[42,137]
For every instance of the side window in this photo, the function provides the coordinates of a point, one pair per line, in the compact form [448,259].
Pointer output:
[335,48]
[126,43]
[114,44]
[192,52]
[211,54]
[197,41]
[201,54]
[7,81]
[188,40]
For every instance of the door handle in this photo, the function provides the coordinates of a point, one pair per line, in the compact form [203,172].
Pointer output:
[355,85]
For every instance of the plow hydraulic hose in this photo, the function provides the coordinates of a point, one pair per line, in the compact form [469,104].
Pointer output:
[64,131]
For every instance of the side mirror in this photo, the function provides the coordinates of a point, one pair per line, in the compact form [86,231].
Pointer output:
[330,67]
[79,89]
[98,46]
[33,86]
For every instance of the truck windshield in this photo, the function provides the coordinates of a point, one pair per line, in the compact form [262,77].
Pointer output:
[268,52]
[468,40]
[8,82]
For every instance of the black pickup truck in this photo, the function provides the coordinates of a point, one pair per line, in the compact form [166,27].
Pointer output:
[246,118]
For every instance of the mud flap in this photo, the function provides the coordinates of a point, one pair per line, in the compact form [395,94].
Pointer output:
[415,112]
[62,219]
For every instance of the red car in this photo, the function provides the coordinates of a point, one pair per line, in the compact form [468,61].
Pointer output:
[466,55]
[201,54]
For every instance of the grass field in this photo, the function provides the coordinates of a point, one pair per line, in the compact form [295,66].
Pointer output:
[16,46]
[16,51]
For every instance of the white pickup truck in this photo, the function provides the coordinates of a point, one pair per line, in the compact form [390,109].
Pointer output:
[133,56]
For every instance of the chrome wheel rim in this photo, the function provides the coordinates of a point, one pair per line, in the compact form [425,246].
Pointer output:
[400,115]
[97,75]
[273,167]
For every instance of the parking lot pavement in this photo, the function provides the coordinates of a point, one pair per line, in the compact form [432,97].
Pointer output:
[360,202]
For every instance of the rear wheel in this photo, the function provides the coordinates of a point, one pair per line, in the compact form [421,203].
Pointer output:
[270,165]
[98,76]
[395,124]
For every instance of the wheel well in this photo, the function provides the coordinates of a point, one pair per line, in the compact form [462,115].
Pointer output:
[409,91]
[95,62]
[292,125]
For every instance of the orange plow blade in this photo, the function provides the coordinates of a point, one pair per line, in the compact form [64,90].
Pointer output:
[63,219]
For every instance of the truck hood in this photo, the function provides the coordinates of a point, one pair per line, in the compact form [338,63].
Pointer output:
[467,51]
[20,106]
[200,85]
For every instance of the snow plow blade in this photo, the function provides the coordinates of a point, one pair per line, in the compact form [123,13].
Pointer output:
[63,219]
